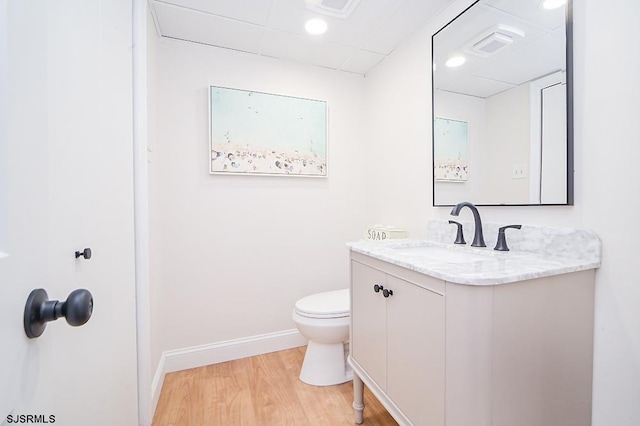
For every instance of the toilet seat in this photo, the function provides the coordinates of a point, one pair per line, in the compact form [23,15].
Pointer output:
[331,304]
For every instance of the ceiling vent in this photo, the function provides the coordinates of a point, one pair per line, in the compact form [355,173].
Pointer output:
[491,41]
[335,8]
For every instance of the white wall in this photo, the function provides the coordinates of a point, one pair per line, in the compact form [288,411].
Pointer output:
[398,133]
[498,141]
[230,255]
[607,95]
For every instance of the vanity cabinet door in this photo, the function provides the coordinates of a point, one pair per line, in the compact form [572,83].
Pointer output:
[399,341]
[369,321]
[415,351]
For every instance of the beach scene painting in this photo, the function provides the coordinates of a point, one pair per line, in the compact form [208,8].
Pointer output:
[450,150]
[266,134]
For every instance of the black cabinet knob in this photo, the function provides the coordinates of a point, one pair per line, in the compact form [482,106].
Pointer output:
[387,292]
[39,310]
[86,253]
[377,288]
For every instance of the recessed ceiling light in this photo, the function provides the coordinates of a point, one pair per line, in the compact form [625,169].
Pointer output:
[315,26]
[553,4]
[456,61]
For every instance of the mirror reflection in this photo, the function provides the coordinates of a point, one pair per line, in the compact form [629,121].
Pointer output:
[502,130]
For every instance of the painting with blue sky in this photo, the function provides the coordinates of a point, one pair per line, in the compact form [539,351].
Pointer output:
[450,150]
[266,134]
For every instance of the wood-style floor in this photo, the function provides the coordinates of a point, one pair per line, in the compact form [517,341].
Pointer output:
[262,390]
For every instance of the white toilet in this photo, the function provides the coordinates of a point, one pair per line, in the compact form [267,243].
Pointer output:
[323,318]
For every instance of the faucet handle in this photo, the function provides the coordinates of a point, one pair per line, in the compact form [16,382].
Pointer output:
[501,245]
[459,234]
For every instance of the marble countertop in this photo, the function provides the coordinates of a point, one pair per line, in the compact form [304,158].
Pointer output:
[580,250]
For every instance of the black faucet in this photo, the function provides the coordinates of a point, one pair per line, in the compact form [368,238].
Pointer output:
[501,244]
[459,233]
[478,238]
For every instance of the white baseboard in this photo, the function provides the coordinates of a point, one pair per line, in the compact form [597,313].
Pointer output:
[214,353]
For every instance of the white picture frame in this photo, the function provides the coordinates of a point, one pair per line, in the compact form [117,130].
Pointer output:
[450,150]
[257,133]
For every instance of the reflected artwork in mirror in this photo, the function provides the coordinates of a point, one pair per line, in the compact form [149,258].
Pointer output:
[502,105]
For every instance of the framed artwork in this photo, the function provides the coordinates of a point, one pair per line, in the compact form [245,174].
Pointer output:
[450,150]
[255,133]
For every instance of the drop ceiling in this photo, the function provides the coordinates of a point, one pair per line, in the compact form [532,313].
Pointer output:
[539,52]
[275,28]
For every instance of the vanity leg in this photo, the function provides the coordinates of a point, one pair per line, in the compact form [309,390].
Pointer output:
[358,398]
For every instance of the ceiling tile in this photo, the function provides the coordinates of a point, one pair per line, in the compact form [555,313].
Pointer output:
[471,85]
[187,24]
[254,11]
[304,49]
[545,56]
[540,52]
[457,37]
[531,11]
[364,20]
[362,62]
[405,21]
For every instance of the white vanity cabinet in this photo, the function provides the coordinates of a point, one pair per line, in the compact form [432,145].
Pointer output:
[440,353]
[398,341]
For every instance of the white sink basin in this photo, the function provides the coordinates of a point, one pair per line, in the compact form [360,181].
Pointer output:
[441,254]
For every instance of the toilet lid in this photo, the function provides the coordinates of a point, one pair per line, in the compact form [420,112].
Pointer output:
[332,304]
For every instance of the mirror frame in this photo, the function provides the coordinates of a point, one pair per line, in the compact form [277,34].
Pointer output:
[569,111]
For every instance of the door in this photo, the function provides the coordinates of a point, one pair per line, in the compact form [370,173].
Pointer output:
[66,183]
[415,354]
[369,321]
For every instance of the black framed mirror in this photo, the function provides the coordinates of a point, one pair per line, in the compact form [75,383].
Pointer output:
[502,93]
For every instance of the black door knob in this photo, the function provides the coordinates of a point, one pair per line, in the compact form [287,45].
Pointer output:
[377,288]
[39,310]
[387,293]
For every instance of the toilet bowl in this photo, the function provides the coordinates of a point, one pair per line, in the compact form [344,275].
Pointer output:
[323,318]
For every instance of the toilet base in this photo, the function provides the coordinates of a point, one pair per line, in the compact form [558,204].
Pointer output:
[326,364]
